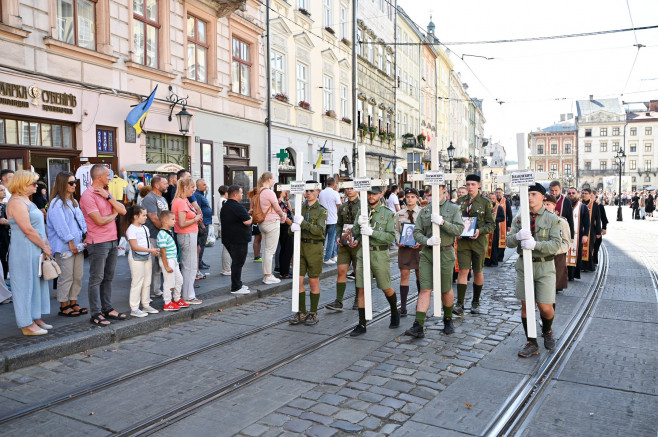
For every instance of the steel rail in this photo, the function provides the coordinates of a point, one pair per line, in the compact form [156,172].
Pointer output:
[520,403]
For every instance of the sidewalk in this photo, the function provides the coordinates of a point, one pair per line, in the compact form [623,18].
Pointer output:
[75,334]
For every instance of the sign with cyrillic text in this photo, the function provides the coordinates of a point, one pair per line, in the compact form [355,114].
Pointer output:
[434,177]
[297,187]
[362,184]
[520,178]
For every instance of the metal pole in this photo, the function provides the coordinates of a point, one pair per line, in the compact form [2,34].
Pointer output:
[354,89]
[619,212]
[269,88]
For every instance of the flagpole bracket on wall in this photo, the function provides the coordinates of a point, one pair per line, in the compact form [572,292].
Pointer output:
[183,116]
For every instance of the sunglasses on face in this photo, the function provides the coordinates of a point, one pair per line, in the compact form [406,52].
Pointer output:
[35,183]
[71,183]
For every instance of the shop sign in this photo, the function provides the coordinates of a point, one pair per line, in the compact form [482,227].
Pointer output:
[39,100]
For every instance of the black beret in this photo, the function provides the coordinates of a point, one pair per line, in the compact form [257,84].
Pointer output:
[473,177]
[537,187]
[549,198]
[411,191]
[375,190]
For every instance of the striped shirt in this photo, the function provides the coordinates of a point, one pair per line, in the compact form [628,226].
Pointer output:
[167,241]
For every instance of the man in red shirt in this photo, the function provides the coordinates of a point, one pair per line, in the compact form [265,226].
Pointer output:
[100,210]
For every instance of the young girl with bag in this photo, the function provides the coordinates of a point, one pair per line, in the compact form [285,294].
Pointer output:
[139,260]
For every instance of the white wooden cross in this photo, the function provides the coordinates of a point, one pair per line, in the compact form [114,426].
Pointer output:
[522,179]
[362,184]
[297,188]
[435,178]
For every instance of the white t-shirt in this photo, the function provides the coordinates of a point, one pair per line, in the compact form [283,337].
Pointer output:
[392,201]
[330,199]
[84,176]
[6,199]
[139,233]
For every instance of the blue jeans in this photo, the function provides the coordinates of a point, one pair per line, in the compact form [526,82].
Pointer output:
[102,262]
[330,245]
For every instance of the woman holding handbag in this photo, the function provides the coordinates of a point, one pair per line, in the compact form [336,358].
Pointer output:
[28,243]
[67,228]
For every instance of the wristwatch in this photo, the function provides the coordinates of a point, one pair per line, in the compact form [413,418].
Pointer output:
[109,196]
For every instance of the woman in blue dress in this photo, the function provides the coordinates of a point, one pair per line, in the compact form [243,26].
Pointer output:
[30,292]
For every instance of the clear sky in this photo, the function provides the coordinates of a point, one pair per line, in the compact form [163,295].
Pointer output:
[538,81]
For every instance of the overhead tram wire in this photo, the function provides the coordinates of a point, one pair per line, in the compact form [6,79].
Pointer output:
[637,53]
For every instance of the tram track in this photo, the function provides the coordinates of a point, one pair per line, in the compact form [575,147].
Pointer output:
[115,380]
[523,401]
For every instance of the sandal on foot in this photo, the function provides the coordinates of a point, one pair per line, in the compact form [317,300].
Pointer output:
[118,316]
[98,319]
[79,309]
[72,313]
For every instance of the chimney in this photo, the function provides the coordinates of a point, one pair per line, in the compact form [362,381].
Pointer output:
[653,105]
[562,117]
[591,97]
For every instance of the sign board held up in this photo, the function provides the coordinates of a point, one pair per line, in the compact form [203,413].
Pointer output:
[520,178]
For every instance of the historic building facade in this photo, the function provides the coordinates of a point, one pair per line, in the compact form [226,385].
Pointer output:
[554,149]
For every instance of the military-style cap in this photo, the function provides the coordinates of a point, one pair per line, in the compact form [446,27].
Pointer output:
[375,190]
[537,187]
[473,177]
[411,191]
[549,198]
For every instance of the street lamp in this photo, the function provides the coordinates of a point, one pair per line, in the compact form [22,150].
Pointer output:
[451,154]
[620,158]
[183,116]
[491,175]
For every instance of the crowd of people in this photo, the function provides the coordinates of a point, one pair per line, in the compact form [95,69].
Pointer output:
[166,232]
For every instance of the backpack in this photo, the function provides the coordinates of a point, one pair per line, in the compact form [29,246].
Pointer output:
[258,215]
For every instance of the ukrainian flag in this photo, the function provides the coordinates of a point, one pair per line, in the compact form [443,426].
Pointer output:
[319,162]
[137,115]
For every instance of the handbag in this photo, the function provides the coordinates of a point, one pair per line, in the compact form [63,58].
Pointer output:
[143,256]
[48,268]
[84,234]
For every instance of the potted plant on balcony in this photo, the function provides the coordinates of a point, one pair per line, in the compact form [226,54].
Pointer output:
[330,113]
[330,30]
[305,12]
[281,97]
[363,128]
[372,130]
[346,120]
[304,105]
[421,140]
[408,141]
[346,41]
[383,135]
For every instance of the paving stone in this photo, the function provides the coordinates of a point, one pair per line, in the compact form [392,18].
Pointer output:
[321,431]
[398,417]
[371,397]
[301,403]
[389,428]
[404,371]
[274,419]
[254,430]
[290,411]
[324,409]
[384,391]
[332,399]
[398,386]
[425,393]
[380,411]
[347,426]
[298,425]
[373,380]
[335,381]
[393,403]
[348,393]
[371,422]
[316,418]
[414,399]
[350,416]
[359,386]
[349,375]
[356,404]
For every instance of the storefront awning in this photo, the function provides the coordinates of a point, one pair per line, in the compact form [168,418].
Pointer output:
[154,168]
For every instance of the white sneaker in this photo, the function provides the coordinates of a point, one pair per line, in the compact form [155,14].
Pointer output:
[271,280]
[334,258]
[330,261]
[138,313]
[243,290]
[149,309]
[226,273]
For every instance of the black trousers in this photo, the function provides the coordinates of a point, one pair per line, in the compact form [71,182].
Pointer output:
[238,254]
[597,246]
[285,254]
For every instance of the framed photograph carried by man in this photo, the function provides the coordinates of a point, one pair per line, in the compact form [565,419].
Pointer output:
[407,235]
[470,226]
[347,237]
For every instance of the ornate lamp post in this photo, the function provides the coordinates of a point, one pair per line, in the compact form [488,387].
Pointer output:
[451,154]
[620,158]
[491,178]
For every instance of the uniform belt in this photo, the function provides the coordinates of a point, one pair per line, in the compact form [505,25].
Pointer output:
[306,240]
[541,259]
[375,248]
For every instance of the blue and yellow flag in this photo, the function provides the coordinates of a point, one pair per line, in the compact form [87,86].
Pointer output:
[137,115]
[388,167]
[319,161]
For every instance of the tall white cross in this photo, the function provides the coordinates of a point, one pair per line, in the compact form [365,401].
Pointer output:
[298,188]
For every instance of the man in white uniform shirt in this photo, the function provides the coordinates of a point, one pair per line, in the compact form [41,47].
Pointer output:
[330,199]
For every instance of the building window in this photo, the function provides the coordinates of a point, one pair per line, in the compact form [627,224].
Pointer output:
[540,149]
[647,131]
[588,132]
[647,164]
[633,131]
[328,22]
[540,167]
[615,147]
[553,167]
[588,147]
[604,147]
[145,32]
[278,73]
[380,60]
[328,92]
[567,149]
[76,22]
[632,164]
[359,40]
[603,165]
[632,147]
[302,4]
[165,149]
[588,165]
[370,57]
[615,131]
[603,131]
[241,68]
[647,179]
[344,23]
[197,49]
[567,169]
[34,133]
[553,149]
[647,147]
[389,64]
[302,83]
[344,102]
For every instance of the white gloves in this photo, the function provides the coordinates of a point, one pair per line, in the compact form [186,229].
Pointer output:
[363,220]
[298,219]
[295,227]
[528,244]
[434,241]
[523,234]
[366,230]
[437,219]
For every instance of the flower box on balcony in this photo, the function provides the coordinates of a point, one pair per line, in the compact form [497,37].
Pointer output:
[305,12]
[304,105]
[330,30]
[346,41]
[330,113]
[281,97]
[346,120]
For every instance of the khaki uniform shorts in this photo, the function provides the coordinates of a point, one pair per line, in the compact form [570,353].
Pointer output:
[347,255]
[470,254]
[380,267]
[310,260]
[426,269]
[544,278]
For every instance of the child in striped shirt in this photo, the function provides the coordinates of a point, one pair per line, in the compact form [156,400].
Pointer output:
[173,279]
